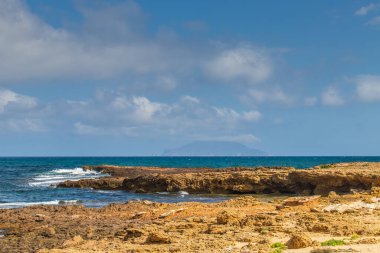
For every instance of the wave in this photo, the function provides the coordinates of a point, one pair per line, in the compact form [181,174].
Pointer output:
[181,193]
[54,177]
[24,204]
[76,171]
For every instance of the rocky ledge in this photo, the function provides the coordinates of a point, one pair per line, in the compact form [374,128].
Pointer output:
[243,224]
[319,180]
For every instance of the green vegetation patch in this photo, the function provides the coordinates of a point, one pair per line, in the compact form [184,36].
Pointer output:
[278,247]
[355,237]
[333,242]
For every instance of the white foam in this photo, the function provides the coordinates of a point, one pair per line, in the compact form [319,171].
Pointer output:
[54,177]
[24,204]
[75,171]
[50,182]
[163,193]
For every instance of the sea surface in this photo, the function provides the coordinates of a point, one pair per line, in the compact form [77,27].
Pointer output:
[26,181]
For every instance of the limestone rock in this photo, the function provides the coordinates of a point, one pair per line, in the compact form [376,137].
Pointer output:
[74,241]
[299,241]
[297,201]
[48,232]
[158,237]
[133,233]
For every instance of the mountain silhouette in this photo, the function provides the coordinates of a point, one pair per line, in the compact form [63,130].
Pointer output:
[213,148]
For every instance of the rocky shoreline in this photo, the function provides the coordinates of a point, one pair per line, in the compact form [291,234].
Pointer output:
[320,180]
[345,220]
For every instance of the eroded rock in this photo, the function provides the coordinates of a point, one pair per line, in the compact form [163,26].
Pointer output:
[299,241]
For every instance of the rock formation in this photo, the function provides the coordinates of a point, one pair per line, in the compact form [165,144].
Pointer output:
[340,178]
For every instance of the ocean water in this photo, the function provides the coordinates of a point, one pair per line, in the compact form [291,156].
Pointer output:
[26,181]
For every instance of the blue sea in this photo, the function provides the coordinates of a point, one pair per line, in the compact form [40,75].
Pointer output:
[29,181]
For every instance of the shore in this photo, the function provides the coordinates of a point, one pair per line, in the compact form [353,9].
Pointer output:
[279,223]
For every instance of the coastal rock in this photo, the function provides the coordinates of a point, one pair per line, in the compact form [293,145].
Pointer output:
[158,237]
[171,212]
[299,241]
[48,232]
[133,233]
[322,180]
[297,201]
[241,224]
[248,181]
[226,217]
[107,183]
[73,242]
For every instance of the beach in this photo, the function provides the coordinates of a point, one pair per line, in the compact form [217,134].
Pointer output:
[246,222]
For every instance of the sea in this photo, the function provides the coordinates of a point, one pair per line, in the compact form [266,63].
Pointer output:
[27,181]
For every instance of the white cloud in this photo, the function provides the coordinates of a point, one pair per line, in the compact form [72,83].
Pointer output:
[273,96]
[20,113]
[116,114]
[331,97]
[241,63]
[374,21]
[12,100]
[21,125]
[32,49]
[234,115]
[251,115]
[166,82]
[364,10]
[84,129]
[368,88]
[190,99]
[242,138]
[144,109]
[310,101]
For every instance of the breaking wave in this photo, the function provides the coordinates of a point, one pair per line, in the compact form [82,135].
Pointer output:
[57,176]
[24,204]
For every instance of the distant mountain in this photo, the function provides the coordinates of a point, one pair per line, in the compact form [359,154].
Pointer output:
[214,148]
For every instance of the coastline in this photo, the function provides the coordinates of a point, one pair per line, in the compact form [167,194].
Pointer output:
[351,214]
[318,180]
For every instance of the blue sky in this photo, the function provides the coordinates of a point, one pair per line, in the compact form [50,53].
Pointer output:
[120,77]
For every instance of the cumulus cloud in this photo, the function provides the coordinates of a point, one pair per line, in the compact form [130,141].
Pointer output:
[234,115]
[364,10]
[22,125]
[374,21]
[115,113]
[310,101]
[32,49]
[11,100]
[19,113]
[245,63]
[368,88]
[331,97]
[275,95]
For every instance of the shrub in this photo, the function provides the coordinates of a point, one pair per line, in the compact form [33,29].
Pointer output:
[278,247]
[355,237]
[333,242]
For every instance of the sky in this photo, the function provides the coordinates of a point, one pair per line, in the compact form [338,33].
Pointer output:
[125,78]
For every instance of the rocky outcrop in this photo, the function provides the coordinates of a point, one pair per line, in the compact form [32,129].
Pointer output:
[340,178]
[299,241]
[242,224]
[107,183]
[254,181]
